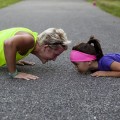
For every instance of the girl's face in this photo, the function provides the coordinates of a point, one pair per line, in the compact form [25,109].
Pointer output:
[82,67]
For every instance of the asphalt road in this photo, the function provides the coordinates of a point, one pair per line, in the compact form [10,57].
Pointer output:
[61,93]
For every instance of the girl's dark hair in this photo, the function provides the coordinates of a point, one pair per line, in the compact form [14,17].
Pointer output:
[92,47]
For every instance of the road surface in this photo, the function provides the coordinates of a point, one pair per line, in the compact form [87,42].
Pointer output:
[61,93]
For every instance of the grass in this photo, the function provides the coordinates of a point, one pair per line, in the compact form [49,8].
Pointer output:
[110,6]
[5,3]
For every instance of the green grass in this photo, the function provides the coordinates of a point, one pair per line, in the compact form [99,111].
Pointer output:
[5,3]
[110,6]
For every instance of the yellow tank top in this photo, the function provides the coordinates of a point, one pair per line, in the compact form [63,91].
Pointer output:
[6,35]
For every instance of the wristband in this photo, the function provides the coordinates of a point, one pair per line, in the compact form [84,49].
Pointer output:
[12,75]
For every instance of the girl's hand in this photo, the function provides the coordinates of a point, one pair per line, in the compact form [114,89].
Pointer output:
[26,76]
[99,74]
[115,71]
[22,63]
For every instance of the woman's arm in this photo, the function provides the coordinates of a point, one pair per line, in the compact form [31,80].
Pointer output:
[18,43]
[115,71]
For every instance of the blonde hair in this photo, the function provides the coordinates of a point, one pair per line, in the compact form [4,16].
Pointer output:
[53,37]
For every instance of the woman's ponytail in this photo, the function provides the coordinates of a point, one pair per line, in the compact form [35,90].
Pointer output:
[97,46]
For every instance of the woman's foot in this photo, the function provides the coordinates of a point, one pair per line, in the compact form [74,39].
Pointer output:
[22,63]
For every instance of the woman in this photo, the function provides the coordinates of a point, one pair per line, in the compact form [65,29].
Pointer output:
[17,43]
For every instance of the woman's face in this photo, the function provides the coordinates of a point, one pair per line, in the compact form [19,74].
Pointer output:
[48,54]
[82,67]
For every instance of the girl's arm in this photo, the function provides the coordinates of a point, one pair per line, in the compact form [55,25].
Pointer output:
[115,71]
[106,74]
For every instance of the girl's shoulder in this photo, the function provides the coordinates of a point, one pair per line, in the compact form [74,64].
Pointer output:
[114,56]
[106,61]
[111,57]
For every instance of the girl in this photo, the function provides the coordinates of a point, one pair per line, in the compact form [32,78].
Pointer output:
[89,56]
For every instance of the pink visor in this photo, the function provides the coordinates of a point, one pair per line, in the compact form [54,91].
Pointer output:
[76,56]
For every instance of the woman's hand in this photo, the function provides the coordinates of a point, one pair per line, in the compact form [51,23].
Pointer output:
[26,76]
[22,63]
